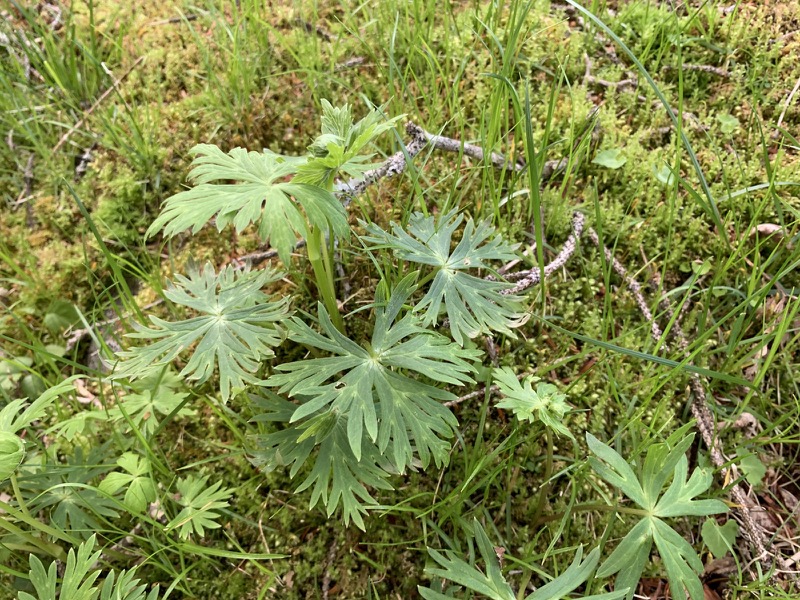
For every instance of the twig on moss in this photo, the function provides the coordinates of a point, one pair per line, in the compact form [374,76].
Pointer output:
[630,82]
[706,425]
[531,277]
[719,72]
[447,144]
[326,579]
[472,395]
[633,285]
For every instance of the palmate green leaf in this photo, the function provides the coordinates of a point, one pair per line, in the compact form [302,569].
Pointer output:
[493,585]
[630,556]
[473,305]
[140,489]
[545,403]
[661,462]
[235,330]
[370,384]
[201,504]
[337,476]
[153,395]
[719,538]
[80,575]
[260,196]
[338,149]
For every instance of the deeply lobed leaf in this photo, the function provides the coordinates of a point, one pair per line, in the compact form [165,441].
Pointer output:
[259,196]
[399,412]
[201,504]
[493,584]
[235,331]
[680,559]
[80,575]
[545,403]
[337,476]
[473,305]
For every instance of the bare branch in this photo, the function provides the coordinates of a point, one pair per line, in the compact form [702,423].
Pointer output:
[526,279]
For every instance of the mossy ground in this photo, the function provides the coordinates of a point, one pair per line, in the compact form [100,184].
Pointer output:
[254,76]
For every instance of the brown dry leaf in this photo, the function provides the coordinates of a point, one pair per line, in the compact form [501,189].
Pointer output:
[766,230]
[720,567]
[85,396]
[288,580]
[709,594]
[748,424]
[789,500]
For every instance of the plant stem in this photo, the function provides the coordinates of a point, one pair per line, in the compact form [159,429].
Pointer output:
[48,548]
[18,495]
[323,275]
[548,472]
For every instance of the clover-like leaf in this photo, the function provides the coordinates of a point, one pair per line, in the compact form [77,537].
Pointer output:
[260,196]
[235,330]
[545,403]
[201,503]
[140,489]
[662,461]
[719,538]
[613,158]
[473,305]
[371,385]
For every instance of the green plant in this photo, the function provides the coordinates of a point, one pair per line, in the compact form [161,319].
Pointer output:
[235,330]
[545,403]
[493,584]
[80,575]
[473,305]
[663,461]
[366,410]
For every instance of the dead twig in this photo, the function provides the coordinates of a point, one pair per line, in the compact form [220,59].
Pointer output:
[718,71]
[310,28]
[529,278]
[350,63]
[630,82]
[326,579]
[786,107]
[173,20]
[472,395]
